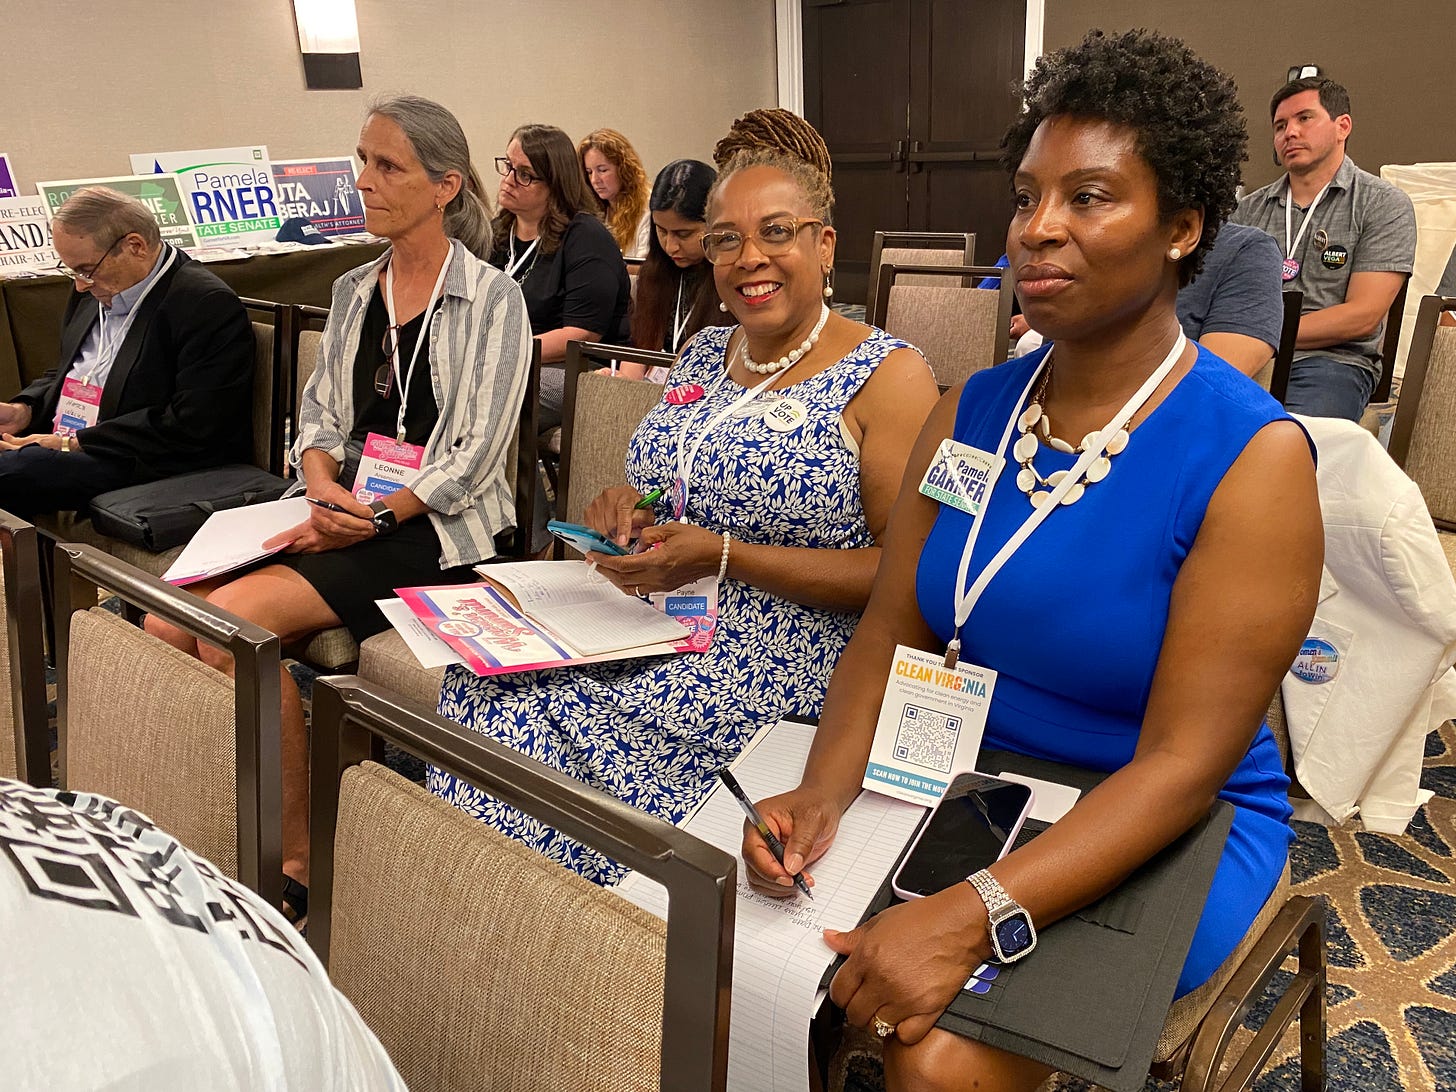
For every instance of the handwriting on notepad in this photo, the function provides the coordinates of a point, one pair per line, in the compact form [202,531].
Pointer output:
[798,912]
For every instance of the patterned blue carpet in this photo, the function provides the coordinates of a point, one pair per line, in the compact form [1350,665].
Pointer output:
[1392,956]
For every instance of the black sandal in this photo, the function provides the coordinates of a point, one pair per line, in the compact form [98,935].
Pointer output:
[295,903]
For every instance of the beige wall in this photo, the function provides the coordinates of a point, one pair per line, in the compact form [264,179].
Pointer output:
[88,83]
[1394,58]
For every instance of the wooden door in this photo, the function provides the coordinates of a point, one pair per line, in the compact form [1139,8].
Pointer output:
[912,97]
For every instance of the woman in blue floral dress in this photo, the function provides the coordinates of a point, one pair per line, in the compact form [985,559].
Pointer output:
[792,485]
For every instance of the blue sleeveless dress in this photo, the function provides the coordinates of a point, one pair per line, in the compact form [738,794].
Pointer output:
[654,731]
[1074,622]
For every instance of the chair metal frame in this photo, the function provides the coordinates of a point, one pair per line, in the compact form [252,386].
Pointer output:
[889,272]
[25,626]
[1284,354]
[353,717]
[302,317]
[80,570]
[280,315]
[1394,319]
[962,241]
[1413,384]
[586,356]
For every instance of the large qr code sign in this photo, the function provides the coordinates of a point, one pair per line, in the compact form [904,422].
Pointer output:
[927,737]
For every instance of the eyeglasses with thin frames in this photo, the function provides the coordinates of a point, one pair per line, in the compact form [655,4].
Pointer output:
[774,238]
[90,276]
[384,374]
[524,178]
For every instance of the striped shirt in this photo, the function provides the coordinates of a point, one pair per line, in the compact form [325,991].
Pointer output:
[479,353]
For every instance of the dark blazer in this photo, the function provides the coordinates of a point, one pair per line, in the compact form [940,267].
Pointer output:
[180,395]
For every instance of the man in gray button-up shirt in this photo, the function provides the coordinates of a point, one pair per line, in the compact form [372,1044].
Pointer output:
[1349,243]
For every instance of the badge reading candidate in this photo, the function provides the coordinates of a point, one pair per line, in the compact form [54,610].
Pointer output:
[958,476]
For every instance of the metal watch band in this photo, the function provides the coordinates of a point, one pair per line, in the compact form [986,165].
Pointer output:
[991,892]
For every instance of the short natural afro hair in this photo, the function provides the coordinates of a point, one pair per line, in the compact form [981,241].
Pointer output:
[1185,112]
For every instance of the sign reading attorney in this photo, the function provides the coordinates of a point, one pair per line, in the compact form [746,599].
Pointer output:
[322,190]
[160,193]
[7,178]
[229,192]
[25,235]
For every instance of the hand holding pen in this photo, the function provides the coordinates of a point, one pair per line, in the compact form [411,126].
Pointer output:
[775,846]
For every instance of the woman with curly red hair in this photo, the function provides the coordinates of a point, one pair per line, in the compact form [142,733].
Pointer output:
[615,173]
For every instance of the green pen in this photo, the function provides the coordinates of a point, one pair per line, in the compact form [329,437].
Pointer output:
[648,501]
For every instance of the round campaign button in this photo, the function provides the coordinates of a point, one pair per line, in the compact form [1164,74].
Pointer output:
[679,498]
[785,415]
[1318,661]
[1321,239]
[1291,269]
[684,394]
[1334,257]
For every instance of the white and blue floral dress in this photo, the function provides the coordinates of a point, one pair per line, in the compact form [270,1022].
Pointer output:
[653,731]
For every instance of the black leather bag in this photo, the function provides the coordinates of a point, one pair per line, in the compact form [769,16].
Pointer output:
[166,513]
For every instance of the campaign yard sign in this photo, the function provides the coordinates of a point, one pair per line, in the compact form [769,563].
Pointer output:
[229,192]
[7,178]
[160,193]
[322,190]
[25,235]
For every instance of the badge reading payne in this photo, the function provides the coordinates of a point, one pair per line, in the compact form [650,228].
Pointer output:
[1334,257]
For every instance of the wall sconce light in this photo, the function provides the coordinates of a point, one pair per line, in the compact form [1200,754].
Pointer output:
[1300,71]
[328,38]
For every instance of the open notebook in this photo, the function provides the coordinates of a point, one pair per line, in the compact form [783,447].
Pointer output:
[779,952]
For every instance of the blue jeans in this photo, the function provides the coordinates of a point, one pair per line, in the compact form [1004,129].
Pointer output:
[1321,387]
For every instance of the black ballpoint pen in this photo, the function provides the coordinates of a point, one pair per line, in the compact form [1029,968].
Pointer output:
[749,810]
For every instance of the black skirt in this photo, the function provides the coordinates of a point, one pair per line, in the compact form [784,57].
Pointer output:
[351,579]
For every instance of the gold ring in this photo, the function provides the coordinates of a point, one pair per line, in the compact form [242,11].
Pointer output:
[882,1029]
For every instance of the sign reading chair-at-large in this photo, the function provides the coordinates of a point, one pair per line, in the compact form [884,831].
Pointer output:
[230,191]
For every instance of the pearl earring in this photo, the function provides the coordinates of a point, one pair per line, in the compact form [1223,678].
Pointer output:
[722,307]
[828,285]
[1174,254]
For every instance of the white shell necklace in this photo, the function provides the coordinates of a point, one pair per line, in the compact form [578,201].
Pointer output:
[790,358]
[1029,479]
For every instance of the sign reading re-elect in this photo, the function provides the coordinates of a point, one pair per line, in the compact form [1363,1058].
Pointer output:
[321,189]
[25,235]
[159,193]
[229,191]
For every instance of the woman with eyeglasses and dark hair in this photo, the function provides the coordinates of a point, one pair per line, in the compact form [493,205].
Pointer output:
[550,238]
[768,470]
[676,296]
[405,423]
[1139,574]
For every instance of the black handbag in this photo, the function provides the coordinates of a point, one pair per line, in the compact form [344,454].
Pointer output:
[162,514]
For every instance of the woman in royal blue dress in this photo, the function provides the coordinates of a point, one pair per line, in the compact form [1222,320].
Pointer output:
[1143,626]
[785,510]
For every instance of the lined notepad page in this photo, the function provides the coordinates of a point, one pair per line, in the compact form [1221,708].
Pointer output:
[583,608]
[779,954]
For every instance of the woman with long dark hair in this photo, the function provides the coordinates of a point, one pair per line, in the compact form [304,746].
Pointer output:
[676,296]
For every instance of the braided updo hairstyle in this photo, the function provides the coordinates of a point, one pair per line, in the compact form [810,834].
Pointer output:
[782,140]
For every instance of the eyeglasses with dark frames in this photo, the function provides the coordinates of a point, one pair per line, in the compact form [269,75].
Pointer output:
[504,167]
[773,238]
[89,275]
[384,374]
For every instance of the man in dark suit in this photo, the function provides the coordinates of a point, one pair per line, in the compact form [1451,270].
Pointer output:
[155,375]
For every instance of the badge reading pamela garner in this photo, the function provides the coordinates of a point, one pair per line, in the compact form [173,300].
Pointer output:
[958,476]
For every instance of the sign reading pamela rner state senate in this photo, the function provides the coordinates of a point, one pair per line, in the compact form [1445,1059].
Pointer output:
[229,191]
[25,235]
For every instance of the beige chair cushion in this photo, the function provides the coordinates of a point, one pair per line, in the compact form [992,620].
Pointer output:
[1190,1009]
[8,764]
[1448,547]
[478,962]
[954,328]
[1431,461]
[309,343]
[154,728]
[76,527]
[331,649]
[608,411]
[907,255]
[385,659]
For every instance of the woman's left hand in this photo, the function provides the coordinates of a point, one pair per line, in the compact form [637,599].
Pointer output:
[907,963]
[671,555]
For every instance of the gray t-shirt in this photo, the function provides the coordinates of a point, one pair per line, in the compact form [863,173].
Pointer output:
[1362,225]
[1447,287]
[1238,291]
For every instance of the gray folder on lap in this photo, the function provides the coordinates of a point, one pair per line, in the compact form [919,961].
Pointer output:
[1093,997]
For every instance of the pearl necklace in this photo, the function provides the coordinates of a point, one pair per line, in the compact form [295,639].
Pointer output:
[1029,479]
[790,358]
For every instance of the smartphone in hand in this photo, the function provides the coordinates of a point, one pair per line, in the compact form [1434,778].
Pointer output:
[584,539]
[971,828]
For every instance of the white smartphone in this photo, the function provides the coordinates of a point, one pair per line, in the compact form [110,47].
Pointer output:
[972,827]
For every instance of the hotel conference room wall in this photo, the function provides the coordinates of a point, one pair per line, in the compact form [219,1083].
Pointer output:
[87,84]
[1394,58]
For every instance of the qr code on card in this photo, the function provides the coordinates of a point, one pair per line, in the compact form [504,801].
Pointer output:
[927,737]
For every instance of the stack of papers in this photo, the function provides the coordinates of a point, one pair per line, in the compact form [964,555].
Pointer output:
[234,538]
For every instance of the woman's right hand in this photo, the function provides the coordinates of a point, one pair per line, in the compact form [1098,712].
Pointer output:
[615,515]
[806,821]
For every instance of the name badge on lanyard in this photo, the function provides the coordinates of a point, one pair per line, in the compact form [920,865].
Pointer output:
[79,407]
[386,466]
[695,605]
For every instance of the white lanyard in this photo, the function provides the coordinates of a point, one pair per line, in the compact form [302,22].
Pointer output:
[679,320]
[404,382]
[1291,247]
[106,352]
[966,598]
[687,455]
[514,263]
